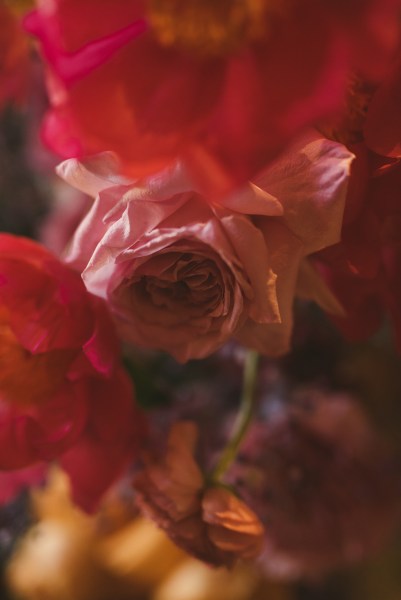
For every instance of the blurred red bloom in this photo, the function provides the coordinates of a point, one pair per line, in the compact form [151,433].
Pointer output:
[224,85]
[63,393]
[364,269]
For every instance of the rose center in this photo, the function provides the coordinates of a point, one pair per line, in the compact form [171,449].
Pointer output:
[188,283]
[28,379]
[210,27]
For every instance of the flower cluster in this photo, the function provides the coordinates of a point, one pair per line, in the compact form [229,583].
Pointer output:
[225,161]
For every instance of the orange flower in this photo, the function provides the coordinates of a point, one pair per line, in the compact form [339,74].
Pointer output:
[209,522]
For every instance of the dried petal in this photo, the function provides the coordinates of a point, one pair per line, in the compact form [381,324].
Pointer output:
[211,524]
[232,525]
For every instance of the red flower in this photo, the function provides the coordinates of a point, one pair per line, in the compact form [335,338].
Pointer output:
[364,269]
[224,85]
[62,391]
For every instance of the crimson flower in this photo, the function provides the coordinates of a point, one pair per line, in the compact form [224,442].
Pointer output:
[364,269]
[223,85]
[63,393]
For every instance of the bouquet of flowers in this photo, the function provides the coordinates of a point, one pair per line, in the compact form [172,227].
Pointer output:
[200,289]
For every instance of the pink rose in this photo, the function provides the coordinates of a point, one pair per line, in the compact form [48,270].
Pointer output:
[184,275]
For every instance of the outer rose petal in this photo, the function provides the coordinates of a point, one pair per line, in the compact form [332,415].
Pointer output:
[274,338]
[310,181]
[92,174]
[153,200]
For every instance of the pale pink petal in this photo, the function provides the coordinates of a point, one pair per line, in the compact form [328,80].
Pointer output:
[93,174]
[91,230]
[310,181]
[252,200]
[274,339]
[256,262]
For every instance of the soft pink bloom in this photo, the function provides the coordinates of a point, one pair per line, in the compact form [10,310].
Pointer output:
[63,393]
[183,274]
[222,85]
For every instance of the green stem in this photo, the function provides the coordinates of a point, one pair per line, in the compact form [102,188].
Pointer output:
[243,419]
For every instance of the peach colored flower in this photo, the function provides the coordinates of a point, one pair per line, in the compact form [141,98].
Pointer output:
[183,274]
[209,522]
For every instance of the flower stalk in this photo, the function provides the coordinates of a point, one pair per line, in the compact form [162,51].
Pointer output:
[243,419]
